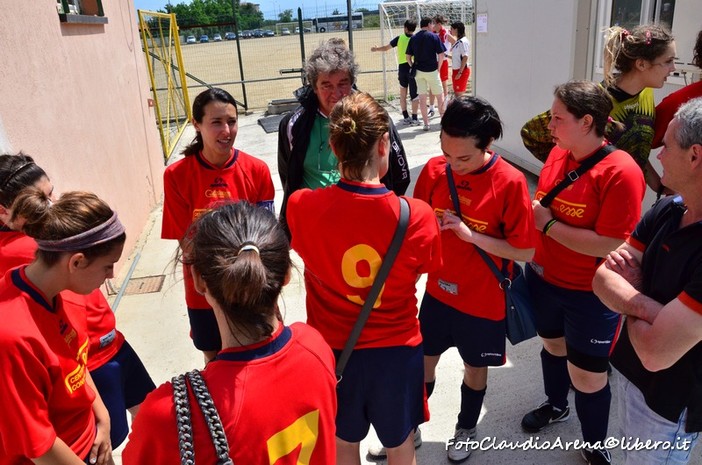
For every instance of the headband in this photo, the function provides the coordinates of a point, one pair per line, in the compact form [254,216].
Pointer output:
[100,234]
[15,173]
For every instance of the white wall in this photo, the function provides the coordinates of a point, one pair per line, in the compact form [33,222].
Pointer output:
[528,49]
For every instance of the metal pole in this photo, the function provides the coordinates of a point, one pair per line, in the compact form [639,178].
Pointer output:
[350,23]
[302,45]
[238,51]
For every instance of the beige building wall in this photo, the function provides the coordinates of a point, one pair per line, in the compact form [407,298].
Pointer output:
[75,97]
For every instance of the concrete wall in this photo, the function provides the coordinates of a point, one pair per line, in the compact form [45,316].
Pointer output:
[74,96]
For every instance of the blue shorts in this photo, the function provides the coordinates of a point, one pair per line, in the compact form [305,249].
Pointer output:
[383,387]
[480,342]
[589,327]
[204,330]
[403,75]
[122,382]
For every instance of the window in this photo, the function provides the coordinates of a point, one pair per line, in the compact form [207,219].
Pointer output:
[81,11]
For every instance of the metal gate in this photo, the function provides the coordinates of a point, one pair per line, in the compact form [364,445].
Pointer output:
[164,60]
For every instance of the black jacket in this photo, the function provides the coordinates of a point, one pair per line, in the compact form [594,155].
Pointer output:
[295,129]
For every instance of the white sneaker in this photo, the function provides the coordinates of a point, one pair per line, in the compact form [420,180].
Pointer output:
[459,450]
[426,127]
[379,452]
[415,122]
[406,121]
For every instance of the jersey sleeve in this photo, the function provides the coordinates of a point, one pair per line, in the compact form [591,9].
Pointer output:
[536,136]
[429,253]
[157,413]
[621,202]
[425,183]
[26,428]
[518,223]
[176,209]
[692,293]
[393,42]
[292,215]
[266,190]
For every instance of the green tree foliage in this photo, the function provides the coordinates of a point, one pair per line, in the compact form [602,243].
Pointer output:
[199,12]
[286,16]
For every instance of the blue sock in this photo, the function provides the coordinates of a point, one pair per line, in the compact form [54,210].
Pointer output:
[593,412]
[556,379]
[471,403]
[429,387]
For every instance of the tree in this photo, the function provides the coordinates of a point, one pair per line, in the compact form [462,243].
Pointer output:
[336,11]
[286,16]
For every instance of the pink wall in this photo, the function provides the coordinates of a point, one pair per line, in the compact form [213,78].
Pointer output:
[75,98]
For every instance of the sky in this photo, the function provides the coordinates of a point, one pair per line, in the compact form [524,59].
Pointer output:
[271,8]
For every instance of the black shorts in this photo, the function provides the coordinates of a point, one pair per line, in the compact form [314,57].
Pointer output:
[480,342]
[403,75]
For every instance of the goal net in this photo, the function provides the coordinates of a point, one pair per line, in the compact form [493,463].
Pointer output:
[392,19]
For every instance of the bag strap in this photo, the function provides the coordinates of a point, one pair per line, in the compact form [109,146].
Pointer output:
[505,282]
[378,282]
[212,419]
[574,175]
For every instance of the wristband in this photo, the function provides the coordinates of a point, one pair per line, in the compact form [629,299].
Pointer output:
[549,225]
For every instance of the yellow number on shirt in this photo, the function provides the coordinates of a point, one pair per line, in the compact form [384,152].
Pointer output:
[349,269]
[303,431]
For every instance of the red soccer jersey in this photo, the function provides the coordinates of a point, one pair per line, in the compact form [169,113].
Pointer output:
[276,400]
[43,356]
[606,199]
[494,201]
[192,186]
[16,248]
[668,106]
[343,242]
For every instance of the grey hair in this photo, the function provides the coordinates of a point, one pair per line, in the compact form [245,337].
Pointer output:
[331,56]
[689,116]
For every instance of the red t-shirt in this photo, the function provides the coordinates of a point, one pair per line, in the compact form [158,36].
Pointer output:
[494,201]
[43,358]
[606,199]
[342,233]
[16,248]
[668,106]
[276,400]
[192,186]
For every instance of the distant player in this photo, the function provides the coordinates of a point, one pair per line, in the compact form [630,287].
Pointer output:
[212,171]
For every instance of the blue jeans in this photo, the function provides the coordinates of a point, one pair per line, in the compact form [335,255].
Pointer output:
[638,421]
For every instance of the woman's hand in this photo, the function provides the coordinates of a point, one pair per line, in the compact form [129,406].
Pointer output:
[101,452]
[454,223]
[542,215]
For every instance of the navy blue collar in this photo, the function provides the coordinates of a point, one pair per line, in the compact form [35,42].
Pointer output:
[24,286]
[205,164]
[359,189]
[263,351]
[487,165]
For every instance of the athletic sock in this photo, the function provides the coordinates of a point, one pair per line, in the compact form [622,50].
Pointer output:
[414,116]
[431,107]
[556,379]
[405,114]
[593,412]
[471,403]
[429,387]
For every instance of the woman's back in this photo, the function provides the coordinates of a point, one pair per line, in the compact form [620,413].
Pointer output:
[271,397]
[343,245]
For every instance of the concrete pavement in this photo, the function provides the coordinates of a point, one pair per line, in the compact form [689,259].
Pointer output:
[156,325]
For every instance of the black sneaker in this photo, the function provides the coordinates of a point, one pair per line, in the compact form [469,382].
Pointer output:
[544,415]
[596,456]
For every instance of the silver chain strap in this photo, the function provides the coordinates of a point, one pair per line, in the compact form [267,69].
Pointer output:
[183,419]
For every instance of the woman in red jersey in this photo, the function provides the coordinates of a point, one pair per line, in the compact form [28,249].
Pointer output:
[212,171]
[272,385]
[116,369]
[343,242]
[585,221]
[51,412]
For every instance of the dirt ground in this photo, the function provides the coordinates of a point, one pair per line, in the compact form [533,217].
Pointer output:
[264,58]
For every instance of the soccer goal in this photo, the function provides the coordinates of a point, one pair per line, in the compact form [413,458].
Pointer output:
[393,16]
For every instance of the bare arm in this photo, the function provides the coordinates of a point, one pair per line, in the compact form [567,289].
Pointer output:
[493,245]
[675,331]
[101,452]
[617,283]
[59,454]
[383,48]
[584,241]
